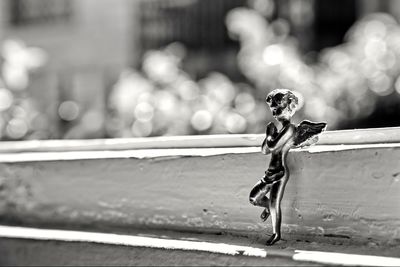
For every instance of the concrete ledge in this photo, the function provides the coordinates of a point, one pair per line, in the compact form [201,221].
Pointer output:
[334,190]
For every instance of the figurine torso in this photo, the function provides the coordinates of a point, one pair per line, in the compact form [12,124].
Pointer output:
[277,166]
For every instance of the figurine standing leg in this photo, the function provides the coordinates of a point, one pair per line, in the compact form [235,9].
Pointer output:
[276,195]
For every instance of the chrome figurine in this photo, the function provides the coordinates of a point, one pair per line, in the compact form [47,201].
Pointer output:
[283,104]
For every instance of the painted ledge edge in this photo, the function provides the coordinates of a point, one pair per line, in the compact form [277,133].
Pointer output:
[344,137]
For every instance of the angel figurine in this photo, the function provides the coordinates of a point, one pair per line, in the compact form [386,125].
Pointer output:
[283,104]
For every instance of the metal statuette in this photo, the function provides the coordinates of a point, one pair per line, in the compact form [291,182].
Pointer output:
[283,104]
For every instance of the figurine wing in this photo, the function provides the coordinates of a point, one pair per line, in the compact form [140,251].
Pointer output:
[307,133]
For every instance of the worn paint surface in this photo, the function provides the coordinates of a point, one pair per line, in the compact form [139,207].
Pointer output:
[348,193]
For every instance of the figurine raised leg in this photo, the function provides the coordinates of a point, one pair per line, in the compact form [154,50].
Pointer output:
[258,198]
[265,214]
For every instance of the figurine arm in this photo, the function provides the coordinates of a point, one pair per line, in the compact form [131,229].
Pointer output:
[271,130]
[270,133]
[278,142]
[264,148]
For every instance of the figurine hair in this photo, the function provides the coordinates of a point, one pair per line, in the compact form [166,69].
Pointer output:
[286,95]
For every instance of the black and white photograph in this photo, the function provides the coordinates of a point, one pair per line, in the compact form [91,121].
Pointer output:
[199,133]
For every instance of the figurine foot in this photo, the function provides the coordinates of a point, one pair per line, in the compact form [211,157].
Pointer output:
[264,215]
[273,239]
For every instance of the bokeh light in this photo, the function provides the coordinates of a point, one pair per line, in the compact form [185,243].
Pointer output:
[68,110]
[6,99]
[19,114]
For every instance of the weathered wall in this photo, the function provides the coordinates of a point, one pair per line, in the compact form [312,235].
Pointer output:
[333,190]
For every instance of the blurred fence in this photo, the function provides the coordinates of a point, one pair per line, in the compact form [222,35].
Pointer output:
[25,12]
[197,24]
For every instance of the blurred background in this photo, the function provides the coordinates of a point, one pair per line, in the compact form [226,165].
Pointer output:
[131,68]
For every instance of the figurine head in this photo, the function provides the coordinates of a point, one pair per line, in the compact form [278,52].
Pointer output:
[283,104]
